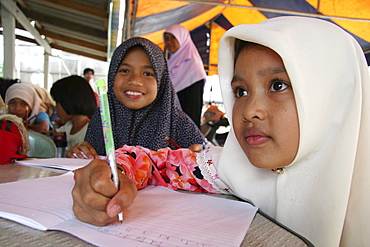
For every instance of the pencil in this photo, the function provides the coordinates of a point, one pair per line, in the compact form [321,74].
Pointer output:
[27,119]
[172,142]
[108,133]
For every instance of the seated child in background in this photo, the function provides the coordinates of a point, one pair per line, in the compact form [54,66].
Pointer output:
[13,138]
[296,93]
[143,105]
[23,101]
[47,101]
[75,104]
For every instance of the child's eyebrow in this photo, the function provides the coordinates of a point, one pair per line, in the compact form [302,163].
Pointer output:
[271,71]
[129,65]
[235,78]
[261,73]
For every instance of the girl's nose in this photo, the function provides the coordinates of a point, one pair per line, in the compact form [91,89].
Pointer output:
[254,108]
[135,79]
[18,107]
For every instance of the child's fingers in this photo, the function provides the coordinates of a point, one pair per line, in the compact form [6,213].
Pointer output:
[88,205]
[124,198]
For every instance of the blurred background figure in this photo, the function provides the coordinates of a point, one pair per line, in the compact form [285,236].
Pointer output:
[212,121]
[89,74]
[24,102]
[186,70]
[75,104]
[47,103]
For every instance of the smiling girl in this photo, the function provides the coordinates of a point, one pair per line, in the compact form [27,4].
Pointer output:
[143,105]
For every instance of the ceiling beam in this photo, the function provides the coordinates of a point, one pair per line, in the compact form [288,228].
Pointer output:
[67,39]
[77,52]
[23,20]
[55,21]
[79,7]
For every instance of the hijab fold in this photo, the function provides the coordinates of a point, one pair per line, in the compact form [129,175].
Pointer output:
[323,193]
[148,126]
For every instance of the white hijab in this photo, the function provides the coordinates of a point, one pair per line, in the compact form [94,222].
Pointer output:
[324,193]
[185,65]
[27,93]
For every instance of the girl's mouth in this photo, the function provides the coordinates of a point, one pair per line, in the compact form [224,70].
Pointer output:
[256,137]
[255,140]
[133,94]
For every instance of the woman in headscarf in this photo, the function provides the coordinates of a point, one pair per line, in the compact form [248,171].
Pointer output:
[186,70]
[23,101]
[296,92]
[135,122]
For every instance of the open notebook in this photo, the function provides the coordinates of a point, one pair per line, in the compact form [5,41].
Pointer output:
[158,216]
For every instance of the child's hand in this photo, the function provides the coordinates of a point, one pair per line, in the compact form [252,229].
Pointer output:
[82,150]
[196,148]
[95,198]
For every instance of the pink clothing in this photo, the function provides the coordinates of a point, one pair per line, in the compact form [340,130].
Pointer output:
[175,169]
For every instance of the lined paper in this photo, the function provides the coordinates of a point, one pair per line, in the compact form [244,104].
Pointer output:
[158,217]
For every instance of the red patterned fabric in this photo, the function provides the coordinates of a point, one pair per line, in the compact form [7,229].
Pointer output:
[175,169]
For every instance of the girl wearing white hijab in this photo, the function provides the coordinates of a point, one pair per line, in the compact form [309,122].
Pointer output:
[295,91]
[186,70]
[323,193]
[23,101]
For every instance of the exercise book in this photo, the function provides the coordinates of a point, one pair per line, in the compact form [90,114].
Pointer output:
[159,216]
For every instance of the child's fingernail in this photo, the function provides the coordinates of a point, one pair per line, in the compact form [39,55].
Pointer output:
[114,210]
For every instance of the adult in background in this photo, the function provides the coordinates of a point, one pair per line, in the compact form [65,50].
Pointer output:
[186,70]
[89,77]
[89,74]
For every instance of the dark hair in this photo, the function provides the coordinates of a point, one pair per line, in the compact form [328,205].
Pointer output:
[5,84]
[75,95]
[88,70]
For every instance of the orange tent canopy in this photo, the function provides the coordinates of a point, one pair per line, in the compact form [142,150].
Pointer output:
[207,21]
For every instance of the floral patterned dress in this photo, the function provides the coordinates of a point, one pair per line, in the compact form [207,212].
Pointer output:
[176,169]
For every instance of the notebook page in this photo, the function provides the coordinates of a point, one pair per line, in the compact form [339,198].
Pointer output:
[57,163]
[163,217]
[158,216]
[39,203]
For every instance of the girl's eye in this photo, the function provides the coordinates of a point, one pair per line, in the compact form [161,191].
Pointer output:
[148,74]
[240,92]
[278,85]
[124,71]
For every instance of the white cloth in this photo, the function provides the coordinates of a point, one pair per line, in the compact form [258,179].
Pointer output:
[75,138]
[185,65]
[323,193]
